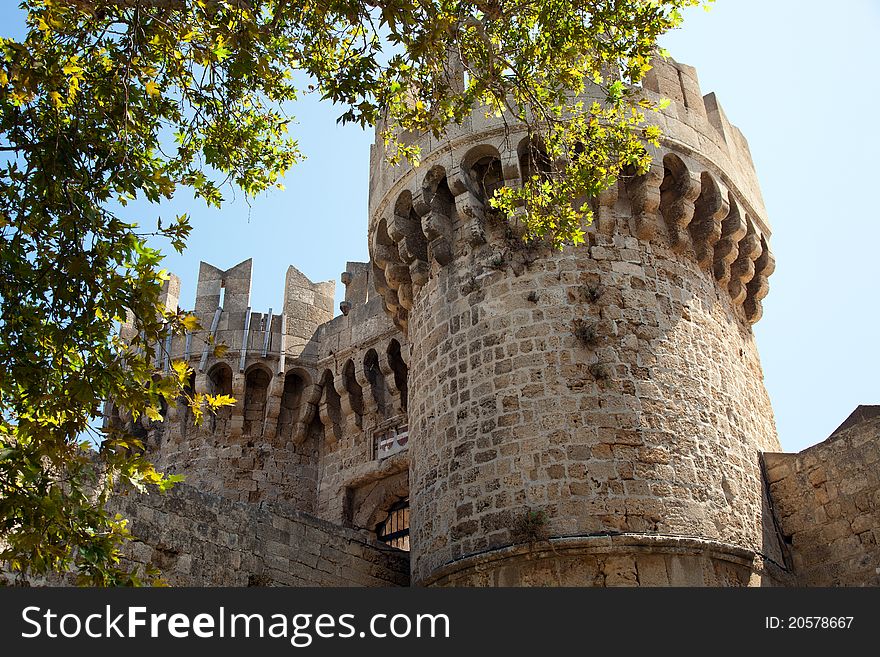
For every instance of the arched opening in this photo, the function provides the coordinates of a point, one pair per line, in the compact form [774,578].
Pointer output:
[353,388]
[255,391]
[291,402]
[533,160]
[395,359]
[377,382]
[484,174]
[331,407]
[436,192]
[486,177]
[220,383]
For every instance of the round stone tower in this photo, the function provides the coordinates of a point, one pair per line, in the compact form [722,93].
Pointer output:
[593,416]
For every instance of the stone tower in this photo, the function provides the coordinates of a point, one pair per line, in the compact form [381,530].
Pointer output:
[593,416]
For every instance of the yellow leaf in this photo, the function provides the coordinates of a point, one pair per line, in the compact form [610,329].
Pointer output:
[191,323]
[216,402]
[151,88]
[56,99]
[181,369]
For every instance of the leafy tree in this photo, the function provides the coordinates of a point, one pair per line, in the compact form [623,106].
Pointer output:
[106,101]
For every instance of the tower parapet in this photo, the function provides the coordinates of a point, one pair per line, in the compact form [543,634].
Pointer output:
[612,389]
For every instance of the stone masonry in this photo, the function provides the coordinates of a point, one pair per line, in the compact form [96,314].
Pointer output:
[198,539]
[514,415]
[827,500]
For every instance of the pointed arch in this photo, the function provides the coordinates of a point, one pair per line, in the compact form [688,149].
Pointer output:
[256,388]
[219,382]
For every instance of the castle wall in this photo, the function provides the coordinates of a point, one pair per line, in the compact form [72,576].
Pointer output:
[827,499]
[264,447]
[312,393]
[199,539]
[591,417]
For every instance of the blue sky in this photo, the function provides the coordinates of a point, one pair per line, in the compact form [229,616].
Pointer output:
[797,76]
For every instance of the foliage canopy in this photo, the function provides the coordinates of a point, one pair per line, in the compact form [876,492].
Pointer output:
[105,101]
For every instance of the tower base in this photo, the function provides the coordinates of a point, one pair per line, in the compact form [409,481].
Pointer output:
[613,560]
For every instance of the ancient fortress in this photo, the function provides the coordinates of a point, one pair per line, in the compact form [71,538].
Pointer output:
[483,413]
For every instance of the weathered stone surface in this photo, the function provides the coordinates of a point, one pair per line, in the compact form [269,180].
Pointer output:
[827,499]
[199,539]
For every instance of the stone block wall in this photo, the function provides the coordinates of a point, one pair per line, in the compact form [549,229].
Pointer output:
[200,539]
[827,500]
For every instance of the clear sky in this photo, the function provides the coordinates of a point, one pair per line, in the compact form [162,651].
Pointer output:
[798,77]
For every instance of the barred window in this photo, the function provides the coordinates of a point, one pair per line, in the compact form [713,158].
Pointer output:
[394,530]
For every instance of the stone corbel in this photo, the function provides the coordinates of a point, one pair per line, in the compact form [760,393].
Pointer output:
[733,228]
[644,196]
[677,207]
[437,227]
[743,269]
[332,431]
[390,385]
[411,246]
[273,406]
[759,286]
[352,420]
[371,408]
[710,210]
[308,408]
[236,418]
[468,207]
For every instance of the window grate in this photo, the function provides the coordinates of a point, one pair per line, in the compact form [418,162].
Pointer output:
[394,530]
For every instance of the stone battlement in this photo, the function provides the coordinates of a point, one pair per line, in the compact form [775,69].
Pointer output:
[306,384]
